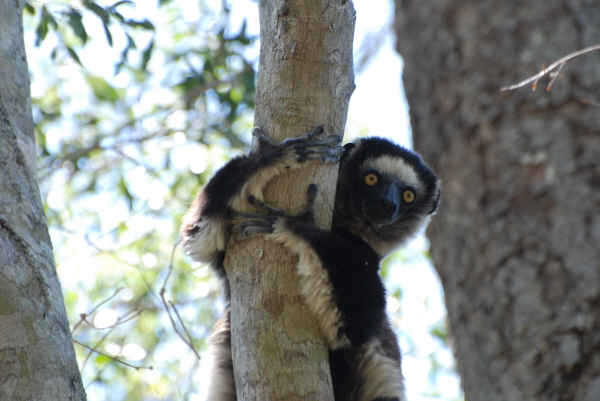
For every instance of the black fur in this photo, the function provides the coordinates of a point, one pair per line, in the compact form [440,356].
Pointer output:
[204,231]
[205,228]
[369,222]
[353,271]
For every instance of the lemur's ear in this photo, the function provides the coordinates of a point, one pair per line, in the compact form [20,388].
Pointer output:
[347,149]
[436,202]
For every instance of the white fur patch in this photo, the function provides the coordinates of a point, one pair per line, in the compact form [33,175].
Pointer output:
[257,182]
[316,287]
[397,167]
[221,381]
[384,248]
[380,375]
[208,240]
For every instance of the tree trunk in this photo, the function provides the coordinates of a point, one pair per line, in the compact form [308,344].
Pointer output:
[37,360]
[516,241]
[305,79]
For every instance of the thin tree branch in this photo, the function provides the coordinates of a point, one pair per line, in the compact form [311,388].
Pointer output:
[188,340]
[554,75]
[87,358]
[83,316]
[113,358]
[590,102]
[558,63]
[187,333]
[123,319]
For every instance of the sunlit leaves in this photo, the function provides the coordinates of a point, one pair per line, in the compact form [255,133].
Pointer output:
[68,22]
[103,91]
[146,24]
[122,152]
[440,332]
[74,18]
[124,191]
[47,21]
[146,55]
[73,54]
[29,8]
[103,14]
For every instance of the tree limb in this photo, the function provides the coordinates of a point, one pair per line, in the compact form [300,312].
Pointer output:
[560,63]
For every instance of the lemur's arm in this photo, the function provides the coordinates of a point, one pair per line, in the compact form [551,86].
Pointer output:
[338,271]
[204,232]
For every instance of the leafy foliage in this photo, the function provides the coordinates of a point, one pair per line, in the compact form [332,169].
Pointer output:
[116,146]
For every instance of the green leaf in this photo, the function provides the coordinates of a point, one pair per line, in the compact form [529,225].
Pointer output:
[118,16]
[124,190]
[118,3]
[146,24]
[77,25]
[104,16]
[146,55]
[29,8]
[130,45]
[108,34]
[96,9]
[102,89]
[130,42]
[74,55]
[42,29]
[439,332]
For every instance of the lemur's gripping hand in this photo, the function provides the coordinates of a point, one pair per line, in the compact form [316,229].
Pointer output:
[312,146]
[247,224]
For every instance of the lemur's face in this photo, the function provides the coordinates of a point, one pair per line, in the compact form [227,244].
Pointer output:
[385,198]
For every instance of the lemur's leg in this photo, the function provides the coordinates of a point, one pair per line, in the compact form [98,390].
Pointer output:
[293,231]
[221,382]
[204,232]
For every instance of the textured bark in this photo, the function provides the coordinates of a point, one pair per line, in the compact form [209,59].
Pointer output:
[305,79]
[517,238]
[37,360]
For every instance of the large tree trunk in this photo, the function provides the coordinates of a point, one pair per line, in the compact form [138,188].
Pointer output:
[305,79]
[37,360]
[517,238]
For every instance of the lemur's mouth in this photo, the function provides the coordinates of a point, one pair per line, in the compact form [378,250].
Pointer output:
[382,217]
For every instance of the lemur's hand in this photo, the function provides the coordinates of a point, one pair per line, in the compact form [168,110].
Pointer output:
[247,224]
[310,147]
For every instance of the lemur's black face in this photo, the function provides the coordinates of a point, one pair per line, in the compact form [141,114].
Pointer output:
[385,198]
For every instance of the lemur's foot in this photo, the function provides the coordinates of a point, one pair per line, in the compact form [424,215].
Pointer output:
[312,146]
[247,224]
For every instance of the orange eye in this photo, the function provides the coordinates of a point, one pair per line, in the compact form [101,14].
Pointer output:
[371,179]
[408,196]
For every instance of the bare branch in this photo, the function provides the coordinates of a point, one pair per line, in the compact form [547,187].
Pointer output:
[560,63]
[121,320]
[94,348]
[188,340]
[554,75]
[187,333]
[113,358]
[590,102]
[83,316]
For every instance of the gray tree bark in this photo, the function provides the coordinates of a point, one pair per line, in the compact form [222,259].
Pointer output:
[37,360]
[516,241]
[305,79]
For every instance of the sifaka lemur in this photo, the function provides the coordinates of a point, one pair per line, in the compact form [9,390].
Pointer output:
[385,195]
